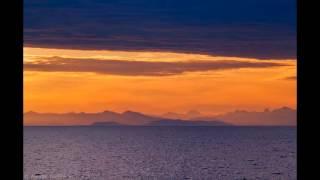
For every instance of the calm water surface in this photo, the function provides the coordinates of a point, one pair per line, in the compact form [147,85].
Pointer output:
[160,153]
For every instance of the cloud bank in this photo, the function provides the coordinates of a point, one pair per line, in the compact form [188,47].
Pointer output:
[247,28]
[138,68]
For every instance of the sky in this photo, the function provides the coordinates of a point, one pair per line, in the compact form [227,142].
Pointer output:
[156,56]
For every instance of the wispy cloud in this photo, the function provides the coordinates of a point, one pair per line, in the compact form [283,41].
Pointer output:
[291,78]
[138,68]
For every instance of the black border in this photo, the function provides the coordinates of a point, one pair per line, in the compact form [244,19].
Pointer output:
[12,89]
[299,58]
[307,126]
[18,85]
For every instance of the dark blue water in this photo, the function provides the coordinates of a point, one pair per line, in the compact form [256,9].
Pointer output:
[160,152]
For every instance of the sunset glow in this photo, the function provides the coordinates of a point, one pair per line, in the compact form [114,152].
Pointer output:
[208,91]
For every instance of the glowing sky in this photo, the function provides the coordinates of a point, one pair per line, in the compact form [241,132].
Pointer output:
[209,90]
[159,56]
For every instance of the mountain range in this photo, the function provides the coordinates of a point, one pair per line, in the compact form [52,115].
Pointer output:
[278,117]
[283,116]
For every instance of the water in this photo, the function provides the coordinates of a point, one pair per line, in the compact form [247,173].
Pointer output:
[160,153]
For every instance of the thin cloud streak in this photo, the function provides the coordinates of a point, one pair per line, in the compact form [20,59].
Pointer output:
[291,78]
[138,68]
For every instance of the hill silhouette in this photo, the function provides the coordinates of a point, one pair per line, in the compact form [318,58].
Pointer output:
[283,116]
[108,118]
[278,117]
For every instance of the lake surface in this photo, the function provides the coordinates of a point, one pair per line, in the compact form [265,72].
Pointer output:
[160,153]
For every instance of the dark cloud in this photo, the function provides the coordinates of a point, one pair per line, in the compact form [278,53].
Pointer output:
[247,28]
[138,68]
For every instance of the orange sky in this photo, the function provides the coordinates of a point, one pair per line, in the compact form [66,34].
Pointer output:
[209,92]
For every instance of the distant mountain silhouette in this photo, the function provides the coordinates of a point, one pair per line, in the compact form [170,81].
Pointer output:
[278,117]
[125,118]
[188,123]
[106,124]
[170,122]
[189,115]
